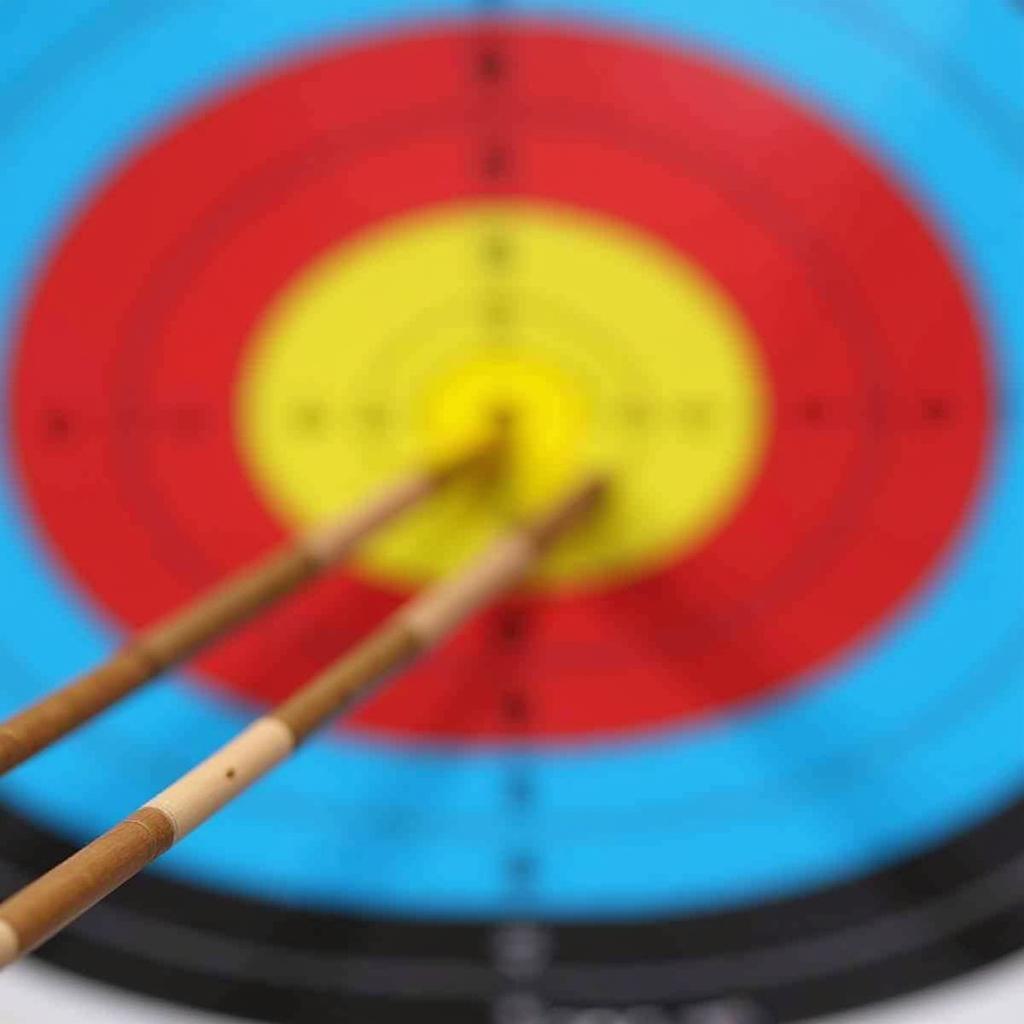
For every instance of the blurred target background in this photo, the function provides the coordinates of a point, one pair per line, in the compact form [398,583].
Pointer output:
[750,752]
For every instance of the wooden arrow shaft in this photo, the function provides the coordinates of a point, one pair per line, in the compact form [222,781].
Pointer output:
[212,615]
[42,908]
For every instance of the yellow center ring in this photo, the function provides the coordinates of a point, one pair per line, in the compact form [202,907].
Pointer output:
[604,347]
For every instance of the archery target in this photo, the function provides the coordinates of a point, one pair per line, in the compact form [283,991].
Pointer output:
[769,702]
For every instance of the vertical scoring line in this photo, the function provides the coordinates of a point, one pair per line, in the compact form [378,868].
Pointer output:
[495,157]
[519,948]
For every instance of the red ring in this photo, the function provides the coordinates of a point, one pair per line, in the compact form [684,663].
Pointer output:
[123,410]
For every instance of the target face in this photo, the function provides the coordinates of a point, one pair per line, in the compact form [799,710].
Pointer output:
[748,749]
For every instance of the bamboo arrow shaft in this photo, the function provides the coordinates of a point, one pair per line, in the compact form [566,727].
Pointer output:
[187,630]
[42,908]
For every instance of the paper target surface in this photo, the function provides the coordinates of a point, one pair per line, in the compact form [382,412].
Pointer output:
[750,750]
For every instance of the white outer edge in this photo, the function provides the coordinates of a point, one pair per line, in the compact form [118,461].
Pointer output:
[32,991]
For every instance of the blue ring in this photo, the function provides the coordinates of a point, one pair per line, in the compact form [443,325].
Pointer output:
[913,738]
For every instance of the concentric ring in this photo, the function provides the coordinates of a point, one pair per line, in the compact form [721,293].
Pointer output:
[832,536]
[747,798]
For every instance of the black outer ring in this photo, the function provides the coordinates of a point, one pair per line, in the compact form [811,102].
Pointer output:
[940,915]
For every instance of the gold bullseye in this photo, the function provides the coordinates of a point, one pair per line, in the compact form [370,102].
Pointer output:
[602,347]
[547,420]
